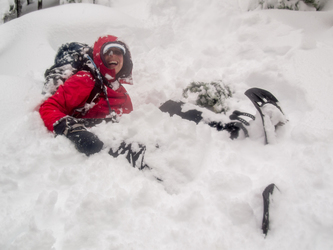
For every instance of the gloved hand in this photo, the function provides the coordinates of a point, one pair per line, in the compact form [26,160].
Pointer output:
[74,129]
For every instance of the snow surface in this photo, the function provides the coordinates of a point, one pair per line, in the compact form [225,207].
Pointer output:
[53,197]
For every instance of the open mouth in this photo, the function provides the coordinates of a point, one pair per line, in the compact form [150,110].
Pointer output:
[113,63]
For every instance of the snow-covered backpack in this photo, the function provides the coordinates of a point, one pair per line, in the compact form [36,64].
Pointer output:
[71,58]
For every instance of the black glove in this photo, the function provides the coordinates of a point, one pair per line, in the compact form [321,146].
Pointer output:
[134,157]
[74,129]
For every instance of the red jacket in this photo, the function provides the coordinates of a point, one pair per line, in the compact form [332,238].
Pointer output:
[76,90]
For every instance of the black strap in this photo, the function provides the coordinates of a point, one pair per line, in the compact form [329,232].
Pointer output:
[98,87]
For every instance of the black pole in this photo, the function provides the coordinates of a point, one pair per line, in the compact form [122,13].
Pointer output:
[18,7]
[40,4]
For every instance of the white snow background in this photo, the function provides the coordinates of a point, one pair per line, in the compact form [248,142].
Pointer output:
[52,197]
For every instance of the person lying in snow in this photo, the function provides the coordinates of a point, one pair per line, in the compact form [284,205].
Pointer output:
[64,114]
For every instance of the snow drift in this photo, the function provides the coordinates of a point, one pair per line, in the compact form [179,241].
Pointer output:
[53,197]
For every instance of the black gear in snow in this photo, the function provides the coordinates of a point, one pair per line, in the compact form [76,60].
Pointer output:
[175,108]
[218,125]
[134,157]
[266,199]
[232,127]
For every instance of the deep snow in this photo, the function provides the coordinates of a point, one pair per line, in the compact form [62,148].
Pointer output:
[53,197]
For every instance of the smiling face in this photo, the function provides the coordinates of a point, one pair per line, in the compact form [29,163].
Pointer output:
[114,59]
[115,64]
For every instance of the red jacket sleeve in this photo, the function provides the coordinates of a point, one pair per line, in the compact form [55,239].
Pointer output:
[74,93]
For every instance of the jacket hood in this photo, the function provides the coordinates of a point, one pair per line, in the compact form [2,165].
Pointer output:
[125,74]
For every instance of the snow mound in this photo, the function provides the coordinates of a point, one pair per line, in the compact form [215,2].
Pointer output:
[53,197]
